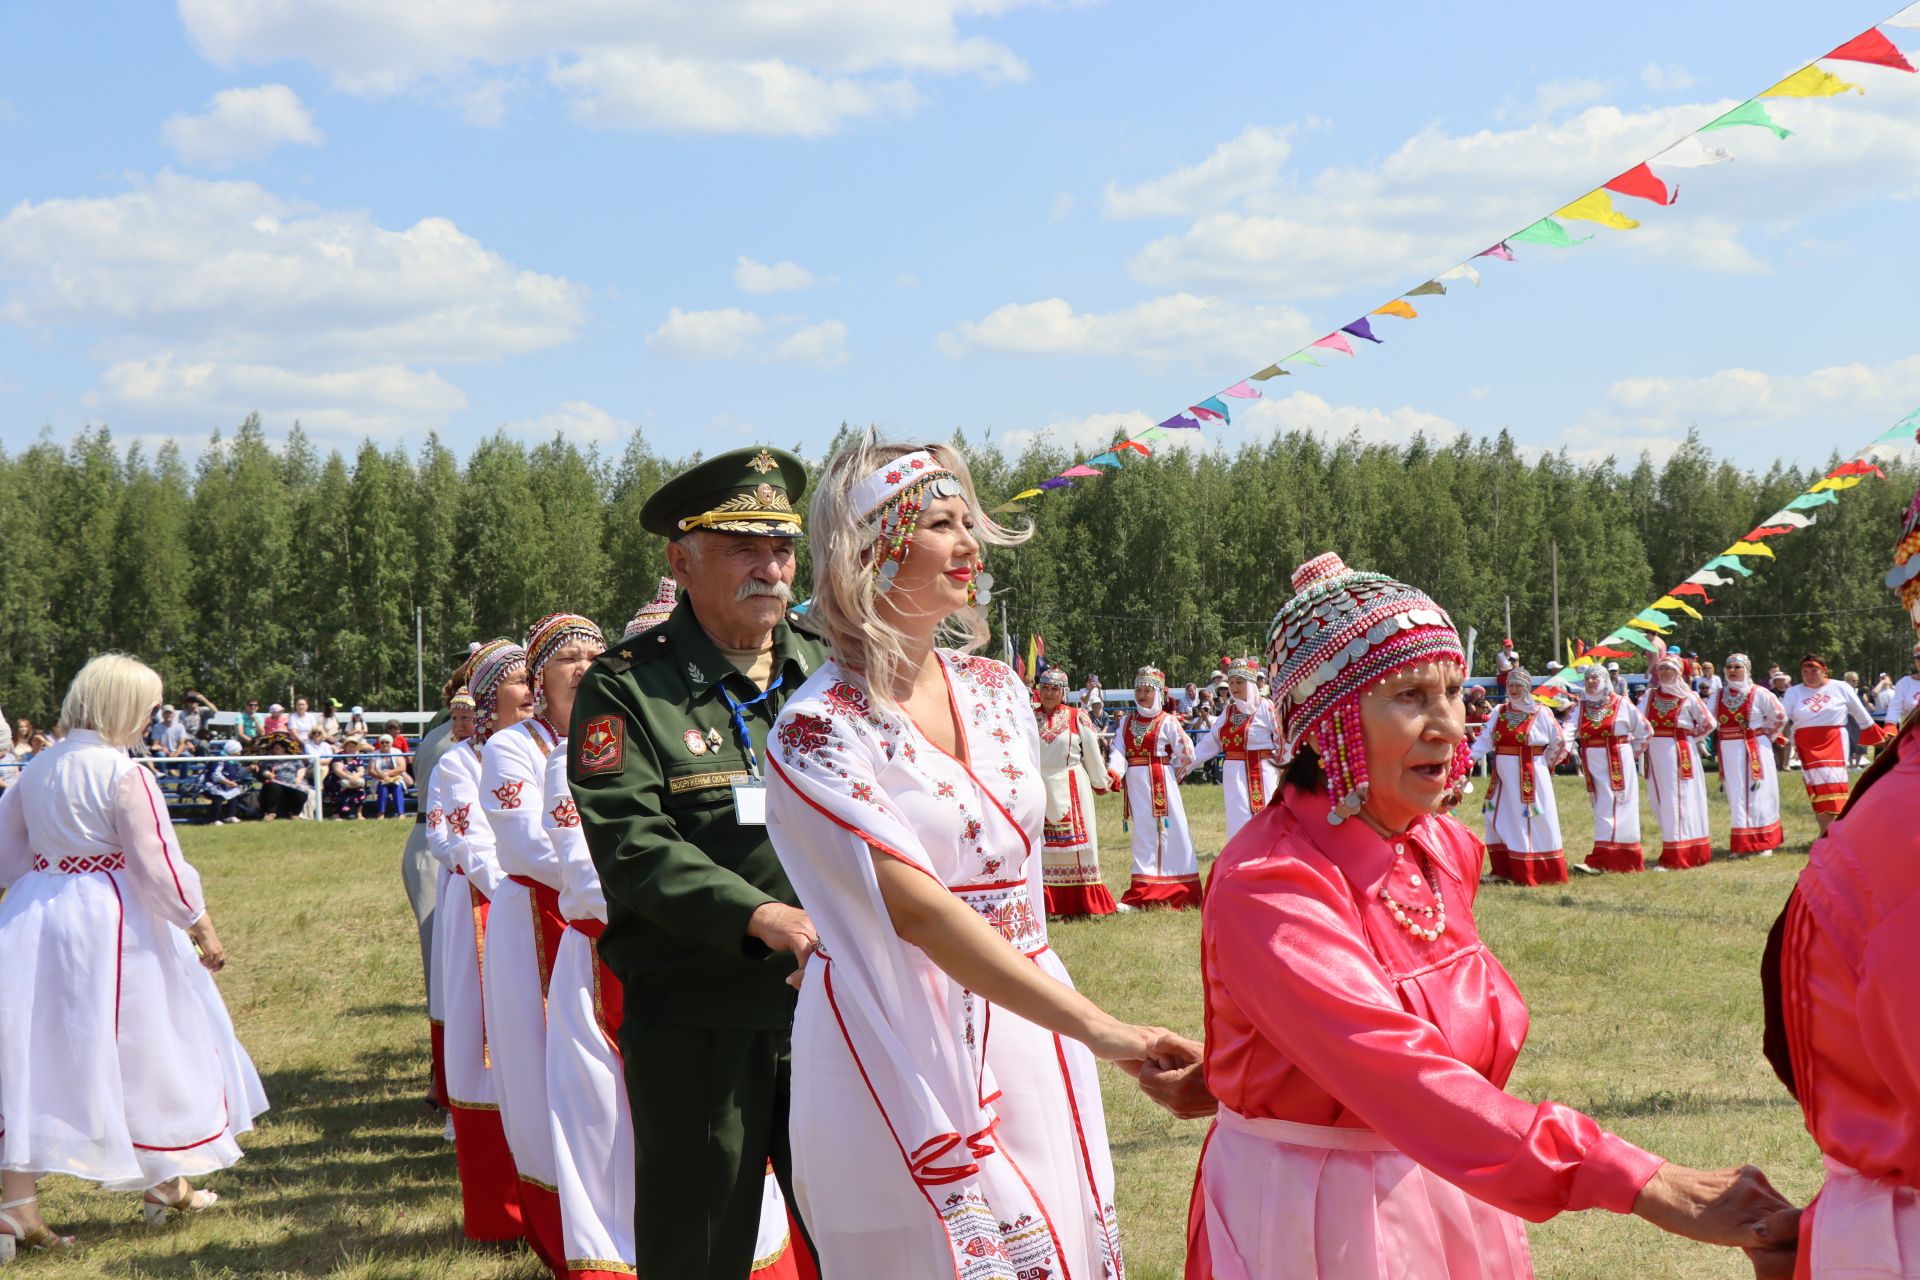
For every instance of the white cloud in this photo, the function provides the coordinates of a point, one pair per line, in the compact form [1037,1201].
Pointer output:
[241,125]
[801,67]
[1082,435]
[1669,75]
[732,333]
[1240,167]
[1179,326]
[211,293]
[758,277]
[369,400]
[906,280]
[1440,196]
[1555,97]
[1061,207]
[577,420]
[1306,412]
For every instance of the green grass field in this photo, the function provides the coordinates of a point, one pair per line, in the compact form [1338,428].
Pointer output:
[1644,993]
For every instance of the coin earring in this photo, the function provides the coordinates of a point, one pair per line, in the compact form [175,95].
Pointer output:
[980,585]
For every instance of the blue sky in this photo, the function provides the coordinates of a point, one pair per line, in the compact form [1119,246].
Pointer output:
[723,222]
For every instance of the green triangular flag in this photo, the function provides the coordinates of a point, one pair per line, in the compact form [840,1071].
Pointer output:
[1152,433]
[1633,638]
[1299,357]
[1431,286]
[1753,112]
[1547,231]
[1271,371]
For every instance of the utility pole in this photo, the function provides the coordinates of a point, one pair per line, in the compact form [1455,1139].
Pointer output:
[419,659]
[1554,547]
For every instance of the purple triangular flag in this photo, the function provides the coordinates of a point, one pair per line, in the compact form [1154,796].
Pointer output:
[1360,329]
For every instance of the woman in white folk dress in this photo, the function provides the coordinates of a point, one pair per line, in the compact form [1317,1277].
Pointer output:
[447,882]
[1525,742]
[1070,759]
[1248,734]
[524,927]
[118,1063]
[1748,718]
[1610,736]
[489,1183]
[1149,755]
[946,1116]
[1676,775]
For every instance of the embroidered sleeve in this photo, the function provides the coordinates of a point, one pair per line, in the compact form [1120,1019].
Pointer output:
[160,875]
[512,791]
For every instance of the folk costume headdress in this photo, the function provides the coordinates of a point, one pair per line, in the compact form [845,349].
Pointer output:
[890,503]
[492,664]
[656,610]
[550,635]
[1745,663]
[462,700]
[1595,674]
[1343,632]
[1150,678]
[1052,678]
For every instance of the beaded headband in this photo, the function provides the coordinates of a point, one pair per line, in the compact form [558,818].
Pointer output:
[1341,633]
[461,700]
[1152,677]
[656,610]
[1053,678]
[892,499]
[1246,668]
[552,634]
[495,661]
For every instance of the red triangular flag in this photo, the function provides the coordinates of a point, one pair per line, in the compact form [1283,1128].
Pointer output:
[1691,589]
[1639,181]
[1871,46]
[1858,467]
[1767,531]
[1602,651]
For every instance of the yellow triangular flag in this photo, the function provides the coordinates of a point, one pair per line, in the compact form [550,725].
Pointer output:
[1749,549]
[1024,494]
[1668,602]
[1597,206]
[1398,307]
[1835,482]
[1811,82]
[1648,626]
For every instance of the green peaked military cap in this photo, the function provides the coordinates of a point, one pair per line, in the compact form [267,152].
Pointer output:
[750,491]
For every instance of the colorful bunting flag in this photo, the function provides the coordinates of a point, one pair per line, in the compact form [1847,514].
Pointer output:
[1136,446]
[1812,499]
[1858,467]
[1242,391]
[1668,602]
[1056,483]
[1271,371]
[1753,112]
[1024,494]
[1428,290]
[1210,408]
[1640,181]
[1634,638]
[1871,46]
[1692,588]
[1836,482]
[1597,206]
[1300,357]
[1361,328]
[1709,578]
[1398,307]
[1151,433]
[1107,459]
[1730,562]
[1463,271]
[1336,342]
[1498,251]
[1767,531]
[1181,422]
[1082,470]
[1690,153]
[1641,624]
[1793,518]
[1811,82]
[1547,231]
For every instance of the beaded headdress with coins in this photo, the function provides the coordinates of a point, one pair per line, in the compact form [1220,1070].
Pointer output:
[1150,677]
[1342,632]
[1247,668]
[493,662]
[550,635]
[462,700]
[657,610]
[1052,678]
[891,502]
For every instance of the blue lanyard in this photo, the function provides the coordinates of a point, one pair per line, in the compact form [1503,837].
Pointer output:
[738,710]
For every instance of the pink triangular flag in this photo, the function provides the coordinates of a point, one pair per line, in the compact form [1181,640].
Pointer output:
[1498,251]
[1081,470]
[1336,342]
[1243,391]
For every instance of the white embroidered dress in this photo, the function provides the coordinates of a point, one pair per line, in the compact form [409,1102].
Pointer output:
[1152,752]
[933,1135]
[513,789]
[1249,735]
[455,795]
[1747,722]
[1070,756]
[1676,776]
[118,1062]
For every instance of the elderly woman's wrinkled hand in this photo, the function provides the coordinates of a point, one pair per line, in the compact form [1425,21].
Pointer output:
[1176,1078]
[1735,1207]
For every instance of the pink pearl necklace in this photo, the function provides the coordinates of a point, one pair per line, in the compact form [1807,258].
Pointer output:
[1408,916]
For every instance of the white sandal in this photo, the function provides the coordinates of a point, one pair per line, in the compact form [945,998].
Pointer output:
[157,1212]
[13,1238]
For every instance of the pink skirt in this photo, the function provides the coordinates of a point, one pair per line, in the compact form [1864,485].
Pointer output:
[1863,1229]
[1299,1200]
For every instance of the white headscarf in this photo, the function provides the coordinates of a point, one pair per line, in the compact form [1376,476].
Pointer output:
[1738,687]
[1525,701]
[1151,706]
[1587,694]
[1244,705]
[1671,684]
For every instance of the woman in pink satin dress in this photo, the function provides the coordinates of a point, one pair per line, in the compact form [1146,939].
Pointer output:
[1359,1034]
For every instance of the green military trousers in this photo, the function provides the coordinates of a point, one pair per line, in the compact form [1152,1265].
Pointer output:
[709,1109]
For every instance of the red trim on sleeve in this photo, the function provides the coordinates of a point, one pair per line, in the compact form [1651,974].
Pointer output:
[148,786]
[872,842]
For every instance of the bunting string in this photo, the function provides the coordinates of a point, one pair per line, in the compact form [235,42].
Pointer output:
[1637,637]
[1871,48]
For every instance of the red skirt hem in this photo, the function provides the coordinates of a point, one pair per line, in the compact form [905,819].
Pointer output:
[1610,855]
[1537,868]
[1498,863]
[489,1182]
[1174,894]
[541,1208]
[1757,839]
[1682,855]
[1079,900]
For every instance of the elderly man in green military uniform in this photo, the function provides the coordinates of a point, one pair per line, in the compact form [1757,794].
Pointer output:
[665,755]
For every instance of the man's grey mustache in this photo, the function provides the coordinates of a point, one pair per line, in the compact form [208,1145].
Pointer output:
[754,587]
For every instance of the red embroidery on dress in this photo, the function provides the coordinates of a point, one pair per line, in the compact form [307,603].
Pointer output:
[986,673]
[457,820]
[436,816]
[863,793]
[508,793]
[804,734]
[944,790]
[566,813]
[94,862]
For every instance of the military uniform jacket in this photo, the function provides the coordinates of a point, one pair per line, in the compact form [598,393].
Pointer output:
[652,757]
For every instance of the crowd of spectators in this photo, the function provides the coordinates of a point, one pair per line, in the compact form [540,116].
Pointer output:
[360,774]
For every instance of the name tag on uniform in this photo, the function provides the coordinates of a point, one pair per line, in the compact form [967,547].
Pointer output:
[750,803]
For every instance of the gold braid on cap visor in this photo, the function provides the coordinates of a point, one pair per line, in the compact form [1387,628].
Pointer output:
[764,504]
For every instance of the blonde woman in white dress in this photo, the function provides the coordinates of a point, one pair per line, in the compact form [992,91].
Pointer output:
[946,1116]
[118,1063]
